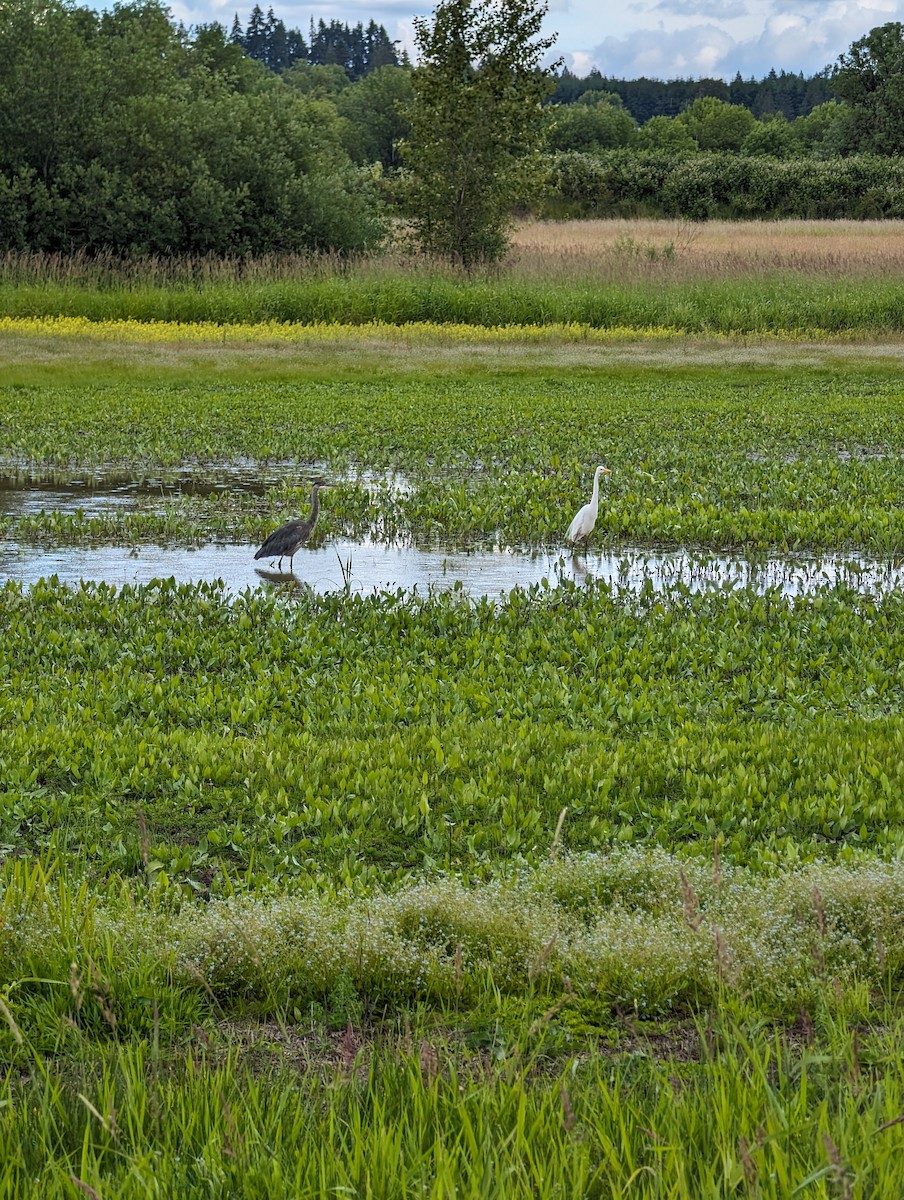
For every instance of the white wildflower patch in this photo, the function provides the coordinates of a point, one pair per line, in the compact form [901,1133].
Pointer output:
[638,928]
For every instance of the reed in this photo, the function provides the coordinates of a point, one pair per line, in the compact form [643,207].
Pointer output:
[707,251]
[554,251]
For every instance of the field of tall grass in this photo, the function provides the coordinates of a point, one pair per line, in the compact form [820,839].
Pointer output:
[588,891]
[712,250]
[801,277]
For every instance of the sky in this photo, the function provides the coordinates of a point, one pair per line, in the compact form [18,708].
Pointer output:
[661,39]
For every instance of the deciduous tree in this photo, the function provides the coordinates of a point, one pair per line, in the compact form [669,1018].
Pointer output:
[870,78]
[475,115]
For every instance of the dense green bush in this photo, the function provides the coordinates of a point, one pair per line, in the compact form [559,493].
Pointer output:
[594,123]
[121,133]
[699,186]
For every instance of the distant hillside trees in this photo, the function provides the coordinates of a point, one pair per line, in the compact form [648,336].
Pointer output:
[596,121]
[742,150]
[787,93]
[357,49]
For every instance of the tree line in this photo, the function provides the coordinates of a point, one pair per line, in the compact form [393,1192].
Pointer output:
[357,49]
[124,131]
[792,95]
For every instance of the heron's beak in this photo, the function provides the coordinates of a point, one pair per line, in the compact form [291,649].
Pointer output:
[606,471]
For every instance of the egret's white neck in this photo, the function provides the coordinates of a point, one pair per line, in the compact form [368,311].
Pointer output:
[595,497]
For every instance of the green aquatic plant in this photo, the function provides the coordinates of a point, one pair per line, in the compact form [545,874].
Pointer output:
[783,458]
[583,891]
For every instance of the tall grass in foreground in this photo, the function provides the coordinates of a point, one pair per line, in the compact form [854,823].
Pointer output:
[752,1116]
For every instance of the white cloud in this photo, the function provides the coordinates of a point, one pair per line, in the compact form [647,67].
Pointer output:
[804,40]
[580,63]
[714,10]
[790,35]
[666,39]
[664,54]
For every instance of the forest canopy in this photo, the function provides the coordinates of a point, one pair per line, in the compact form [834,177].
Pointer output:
[124,131]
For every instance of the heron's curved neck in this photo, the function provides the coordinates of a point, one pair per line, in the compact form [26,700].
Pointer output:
[315,502]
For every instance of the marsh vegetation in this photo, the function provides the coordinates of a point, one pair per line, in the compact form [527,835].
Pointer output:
[586,889]
[812,279]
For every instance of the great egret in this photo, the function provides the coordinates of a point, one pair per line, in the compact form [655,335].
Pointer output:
[287,539]
[581,527]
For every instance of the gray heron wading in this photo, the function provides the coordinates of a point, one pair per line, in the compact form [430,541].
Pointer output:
[283,542]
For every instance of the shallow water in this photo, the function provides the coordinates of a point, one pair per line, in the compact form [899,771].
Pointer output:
[367,566]
[95,493]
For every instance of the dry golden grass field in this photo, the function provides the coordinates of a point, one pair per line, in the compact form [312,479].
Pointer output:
[542,251]
[627,249]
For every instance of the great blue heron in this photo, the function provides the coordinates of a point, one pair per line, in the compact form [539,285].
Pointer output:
[287,539]
[581,527]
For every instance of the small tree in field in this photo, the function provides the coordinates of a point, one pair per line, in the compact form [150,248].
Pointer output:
[475,115]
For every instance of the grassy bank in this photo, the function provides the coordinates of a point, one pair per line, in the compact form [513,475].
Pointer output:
[541,1043]
[802,306]
[754,1115]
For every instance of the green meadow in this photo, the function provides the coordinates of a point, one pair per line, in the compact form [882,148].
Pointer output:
[586,890]
[734,306]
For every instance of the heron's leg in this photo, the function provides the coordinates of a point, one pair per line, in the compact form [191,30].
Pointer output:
[279,564]
[291,556]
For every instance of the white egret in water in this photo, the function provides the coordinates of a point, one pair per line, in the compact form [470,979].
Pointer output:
[581,527]
[289,537]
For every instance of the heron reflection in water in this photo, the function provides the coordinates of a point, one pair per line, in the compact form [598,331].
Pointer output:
[283,542]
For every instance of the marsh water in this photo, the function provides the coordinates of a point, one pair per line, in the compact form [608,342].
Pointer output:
[95,493]
[24,493]
[365,567]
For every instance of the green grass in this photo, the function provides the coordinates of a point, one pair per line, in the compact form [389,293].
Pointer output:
[775,304]
[754,1116]
[582,893]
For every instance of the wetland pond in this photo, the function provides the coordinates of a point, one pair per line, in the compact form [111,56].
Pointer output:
[367,566]
[93,494]
[364,567]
